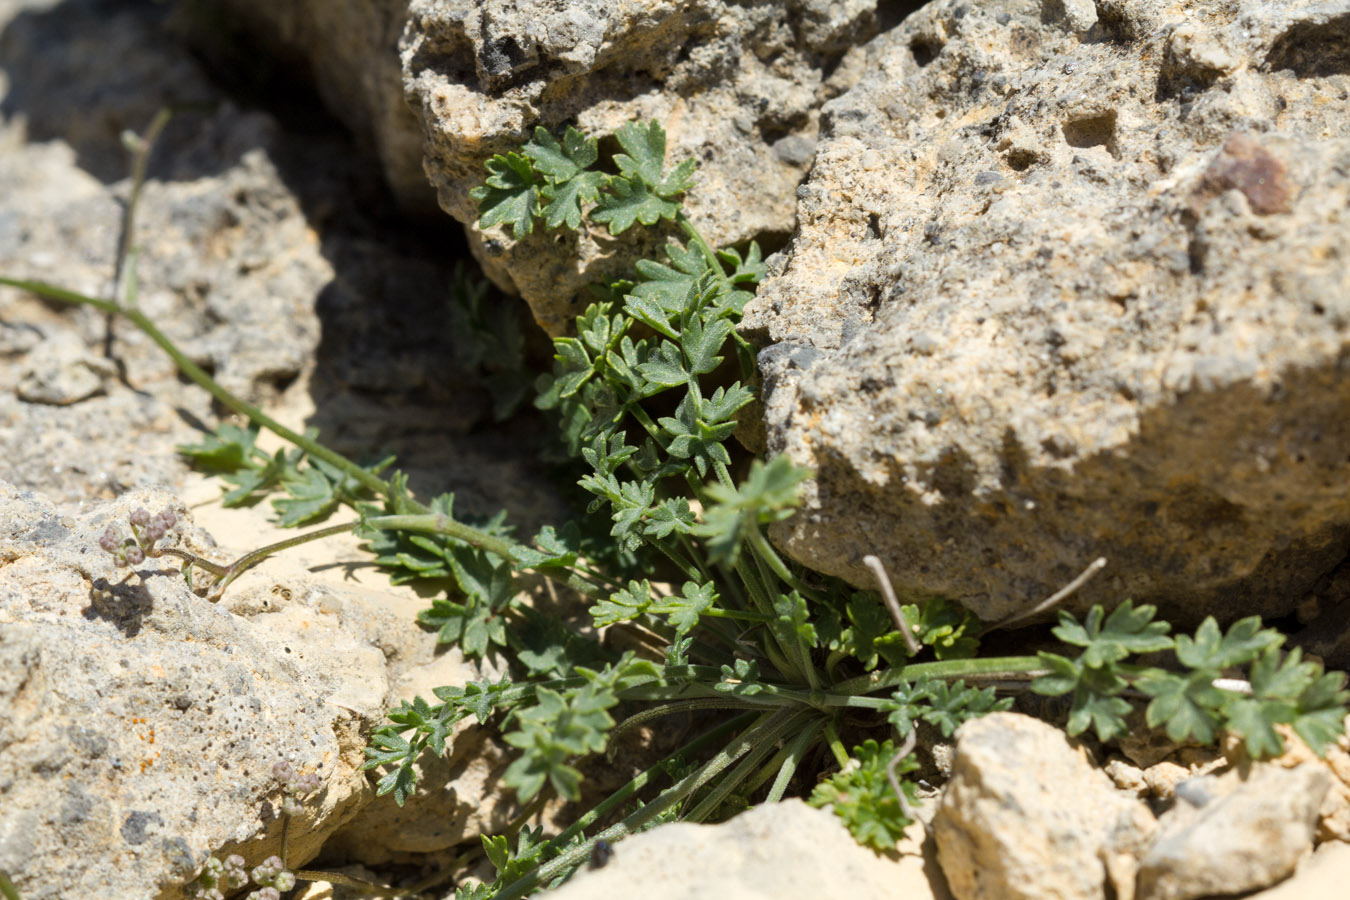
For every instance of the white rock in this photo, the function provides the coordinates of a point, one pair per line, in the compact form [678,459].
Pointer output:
[782,851]
[1026,817]
[1229,833]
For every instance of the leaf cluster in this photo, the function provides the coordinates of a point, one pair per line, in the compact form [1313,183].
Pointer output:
[1194,703]
[556,182]
[862,797]
[313,488]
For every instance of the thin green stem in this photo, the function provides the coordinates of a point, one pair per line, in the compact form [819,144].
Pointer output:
[764,550]
[668,798]
[646,422]
[785,763]
[736,614]
[440,523]
[670,709]
[989,669]
[645,778]
[206,382]
[140,162]
[347,881]
[836,745]
[7,887]
[697,239]
[249,560]
[765,744]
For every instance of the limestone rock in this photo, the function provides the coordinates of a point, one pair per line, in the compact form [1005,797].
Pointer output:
[62,371]
[781,851]
[1228,834]
[1324,874]
[141,723]
[1333,818]
[1062,293]
[1026,817]
[737,86]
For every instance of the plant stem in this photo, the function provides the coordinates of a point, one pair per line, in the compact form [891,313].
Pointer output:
[992,668]
[786,762]
[764,745]
[227,574]
[836,745]
[668,798]
[709,254]
[764,550]
[440,523]
[7,887]
[670,709]
[140,161]
[205,381]
[631,789]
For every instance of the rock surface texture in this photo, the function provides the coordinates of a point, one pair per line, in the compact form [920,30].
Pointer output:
[141,723]
[1026,817]
[1228,834]
[737,86]
[1070,282]
[777,852]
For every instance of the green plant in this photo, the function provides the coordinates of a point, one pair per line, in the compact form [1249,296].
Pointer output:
[780,663]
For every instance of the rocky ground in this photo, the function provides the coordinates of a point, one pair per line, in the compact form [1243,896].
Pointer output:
[1057,280]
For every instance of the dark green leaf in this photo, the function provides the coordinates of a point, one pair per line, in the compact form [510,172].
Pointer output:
[1187,705]
[629,202]
[1244,642]
[645,157]
[311,497]
[510,196]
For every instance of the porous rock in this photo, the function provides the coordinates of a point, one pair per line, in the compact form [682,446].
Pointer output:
[1232,833]
[737,86]
[141,723]
[457,796]
[1026,817]
[1069,286]
[271,258]
[782,851]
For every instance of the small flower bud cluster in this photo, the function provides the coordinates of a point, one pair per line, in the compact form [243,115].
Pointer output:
[215,875]
[296,788]
[272,876]
[146,530]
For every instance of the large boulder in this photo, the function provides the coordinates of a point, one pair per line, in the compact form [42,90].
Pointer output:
[736,85]
[1069,282]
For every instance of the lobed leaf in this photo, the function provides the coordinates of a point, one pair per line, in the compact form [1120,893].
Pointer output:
[862,797]
[510,196]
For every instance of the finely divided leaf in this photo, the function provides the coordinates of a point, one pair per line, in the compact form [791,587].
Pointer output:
[862,796]
[683,611]
[623,605]
[228,450]
[1188,705]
